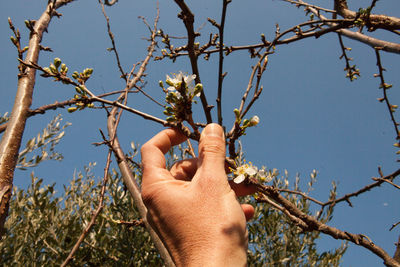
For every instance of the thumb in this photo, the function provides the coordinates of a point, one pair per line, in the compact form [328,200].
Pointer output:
[212,150]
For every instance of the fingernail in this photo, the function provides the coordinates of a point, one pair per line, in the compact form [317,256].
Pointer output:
[213,129]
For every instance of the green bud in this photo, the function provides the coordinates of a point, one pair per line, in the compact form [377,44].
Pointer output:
[53,69]
[88,71]
[387,86]
[78,90]
[75,75]
[161,84]
[169,82]
[237,113]
[27,24]
[246,123]
[197,89]
[46,69]
[72,109]
[171,119]
[171,98]
[13,40]
[57,62]
[254,121]
[63,66]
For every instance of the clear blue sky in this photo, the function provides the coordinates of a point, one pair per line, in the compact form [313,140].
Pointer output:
[311,116]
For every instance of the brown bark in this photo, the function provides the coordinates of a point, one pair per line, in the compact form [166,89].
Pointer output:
[11,140]
[396,256]
[373,21]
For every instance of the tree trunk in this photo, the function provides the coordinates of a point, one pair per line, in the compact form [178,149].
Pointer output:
[11,140]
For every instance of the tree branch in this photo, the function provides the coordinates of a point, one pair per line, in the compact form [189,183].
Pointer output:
[314,225]
[221,75]
[373,42]
[372,21]
[127,175]
[366,188]
[11,140]
[188,19]
[95,213]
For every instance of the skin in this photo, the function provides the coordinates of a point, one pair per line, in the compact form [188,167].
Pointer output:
[192,206]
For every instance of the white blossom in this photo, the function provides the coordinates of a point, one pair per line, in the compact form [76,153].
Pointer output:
[176,81]
[254,121]
[242,171]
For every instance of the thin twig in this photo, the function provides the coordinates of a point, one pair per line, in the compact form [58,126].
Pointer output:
[366,188]
[309,5]
[95,213]
[373,42]
[314,225]
[386,181]
[221,75]
[304,195]
[114,47]
[129,179]
[385,87]
[394,225]
[188,19]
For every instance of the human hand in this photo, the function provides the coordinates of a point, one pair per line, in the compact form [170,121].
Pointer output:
[192,206]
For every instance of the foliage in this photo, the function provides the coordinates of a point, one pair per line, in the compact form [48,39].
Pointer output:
[43,225]
[50,137]
[275,241]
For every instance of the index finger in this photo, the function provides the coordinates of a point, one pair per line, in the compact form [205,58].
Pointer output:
[153,159]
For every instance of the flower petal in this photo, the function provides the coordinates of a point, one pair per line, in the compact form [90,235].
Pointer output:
[240,178]
[251,171]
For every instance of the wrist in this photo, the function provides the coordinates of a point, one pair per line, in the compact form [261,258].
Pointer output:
[216,252]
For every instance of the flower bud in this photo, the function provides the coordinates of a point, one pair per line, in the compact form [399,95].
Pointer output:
[75,75]
[89,71]
[57,62]
[254,121]
[72,109]
[53,69]
[237,113]
[27,24]
[171,119]
[161,84]
[13,40]
[46,69]
[169,82]
[246,123]
[197,89]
